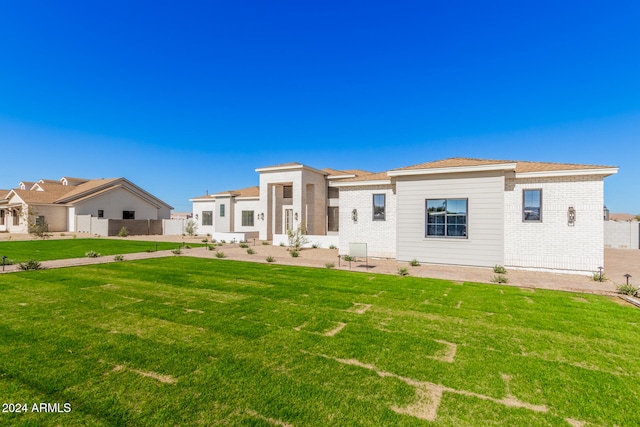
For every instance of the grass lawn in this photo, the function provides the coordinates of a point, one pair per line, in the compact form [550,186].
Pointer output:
[218,342]
[43,250]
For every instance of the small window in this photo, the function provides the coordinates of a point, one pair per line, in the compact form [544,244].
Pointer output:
[532,205]
[128,214]
[100,213]
[222,210]
[16,217]
[1,217]
[247,218]
[334,192]
[287,191]
[39,220]
[333,219]
[379,207]
[207,217]
[446,218]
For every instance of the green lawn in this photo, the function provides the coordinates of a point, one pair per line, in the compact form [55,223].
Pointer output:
[216,342]
[43,250]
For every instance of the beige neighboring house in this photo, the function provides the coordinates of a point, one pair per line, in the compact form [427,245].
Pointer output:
[457,211]
[60,203]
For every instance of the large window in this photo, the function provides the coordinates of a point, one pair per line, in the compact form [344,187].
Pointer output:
[207,217]
[16,217]
[247,218]
[532,205]
[446,218]
[222,208]
[333,222]
[379,211]
[128,214]
[287,191]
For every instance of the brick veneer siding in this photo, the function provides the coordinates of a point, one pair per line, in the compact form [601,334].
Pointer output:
[380,236]
[552,243]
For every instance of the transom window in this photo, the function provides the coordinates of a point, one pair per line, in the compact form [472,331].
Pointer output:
[379,211]
[207,217]
[532,205]
[287,191]
[446,218]
[247,218]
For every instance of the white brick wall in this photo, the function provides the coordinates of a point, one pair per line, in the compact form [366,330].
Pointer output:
[552,243]
[380,236]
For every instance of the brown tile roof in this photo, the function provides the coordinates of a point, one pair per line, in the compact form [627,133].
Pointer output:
[521,166]
[243,192]
[368,177]
[36,197]
[336,172]
[82,190]
[622,217]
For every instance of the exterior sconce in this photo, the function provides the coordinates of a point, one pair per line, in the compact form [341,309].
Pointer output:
[571,216]
[261,217]
[295,216]
[196,217]
[354,215]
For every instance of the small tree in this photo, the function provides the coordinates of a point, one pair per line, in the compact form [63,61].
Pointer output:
[191,227]
[298,237]
[36,224]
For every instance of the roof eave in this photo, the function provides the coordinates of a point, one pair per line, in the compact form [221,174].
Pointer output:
[455,169]
[360,183]
[559,173]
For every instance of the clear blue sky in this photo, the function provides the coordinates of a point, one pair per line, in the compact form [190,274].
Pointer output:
[184,97]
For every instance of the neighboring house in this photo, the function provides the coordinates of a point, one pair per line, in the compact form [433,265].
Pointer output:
[64,205]
[459,211]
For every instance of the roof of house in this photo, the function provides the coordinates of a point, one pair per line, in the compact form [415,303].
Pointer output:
[371,176]
[82,190]
[521,166]
[622,217]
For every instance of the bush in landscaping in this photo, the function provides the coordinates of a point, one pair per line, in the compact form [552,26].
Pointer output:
[329,265]
[244,245]
[597,277]
[348,258]
[628,290]
[403,272]
[92,254]
[294,254]
[118,258]
[251,251]
[498,269]
[220,254]
[265,243]
[270,259]
[30,265]
[176,251]
[123,232]
[332,246]
[414,263]
[499,278]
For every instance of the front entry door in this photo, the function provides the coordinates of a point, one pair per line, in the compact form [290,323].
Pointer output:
[288,220]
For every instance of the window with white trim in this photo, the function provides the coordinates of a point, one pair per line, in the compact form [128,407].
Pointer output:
[247,218]
[446,218]
[207,217]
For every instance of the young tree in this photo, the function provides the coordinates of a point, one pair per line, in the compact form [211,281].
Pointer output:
[298,237]
[191,227]
[36,224]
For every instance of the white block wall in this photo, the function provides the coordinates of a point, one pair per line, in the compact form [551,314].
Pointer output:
[198,208]
[380,236]
[622,235]
[552,243]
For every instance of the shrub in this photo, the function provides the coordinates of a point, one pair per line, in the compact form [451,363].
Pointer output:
[123,232]
[348,258]
[191,227]
[282,244]
[7,261]
[315,245]
[498,269]
[298,238]
[270,259]
[214,241]
[205,240]
[598,277]
[628,290]
[176,251]
[30,265]
[265,243]
[92,254]
[118,258]
[251,251]
[329,265]
[222,242]
[294,254]
[499,278]
[414,263]
[403,272]
[332,246]
[220,254]
[244,245]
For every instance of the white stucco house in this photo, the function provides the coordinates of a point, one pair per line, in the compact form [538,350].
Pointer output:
[69,204]
[460,211]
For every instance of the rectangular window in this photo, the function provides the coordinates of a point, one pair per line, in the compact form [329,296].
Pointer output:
[128,214]
[334,192]
[532,205]
[446,218]
[333,219]
[221,211]
[247,218]
[207,217]
[16,217]
[379,207]
[100,213]
[40,220]
[287,191]
[1,217]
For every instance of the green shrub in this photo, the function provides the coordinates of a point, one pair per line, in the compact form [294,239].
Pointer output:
[118,258]
[30,265]
[598,277]
[282,244]
[499,278]
[176,251]
[270,259]
[265,243]
[123,232]
[414,263]
[294,254]
[205,240]
[92,254]
[220,254]
[329,265]
[332,246]
[251,251]
[7,261]
[628,290]
[403,272]
[315,245]
[498,269]
[244,245]
[186,247]
[348,258]
[223,241]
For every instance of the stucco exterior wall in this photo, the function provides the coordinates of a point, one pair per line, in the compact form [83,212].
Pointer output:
[622,235]
[271,200]
[380,236]
[245,205]
[483,245]
[54,216]
[114,202]
[198,208]
[223,224]
[552,243]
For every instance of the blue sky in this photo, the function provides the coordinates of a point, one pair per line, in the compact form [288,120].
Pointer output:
[185,97]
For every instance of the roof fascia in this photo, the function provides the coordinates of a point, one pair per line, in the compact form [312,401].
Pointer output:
[454,169]
[560,173]
[291,168]
[361,183]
